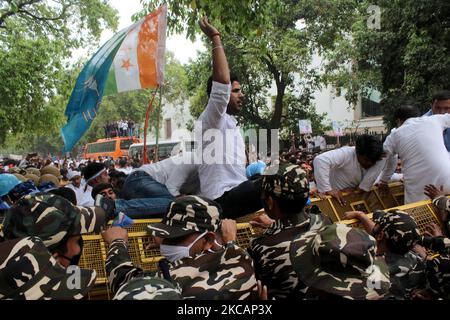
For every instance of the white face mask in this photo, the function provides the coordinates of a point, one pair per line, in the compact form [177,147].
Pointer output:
[175,253]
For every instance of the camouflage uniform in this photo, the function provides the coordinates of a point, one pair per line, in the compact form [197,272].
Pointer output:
[148,288]
[443,203]
[341,261]
[270,251]
[224,274]
[29,272]
[406,268]
[51,218]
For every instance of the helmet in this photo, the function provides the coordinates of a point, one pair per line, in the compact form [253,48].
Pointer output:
[7,183]
[51,170]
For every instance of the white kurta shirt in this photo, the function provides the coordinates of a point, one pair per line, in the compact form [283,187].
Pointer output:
[339,169]
[229,169]
[419,143]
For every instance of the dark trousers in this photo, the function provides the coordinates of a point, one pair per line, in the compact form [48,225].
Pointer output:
[241,200]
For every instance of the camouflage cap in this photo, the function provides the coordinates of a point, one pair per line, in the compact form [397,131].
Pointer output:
[51,218]
[29,272]
[340,260]
[148,288]
[51,170]
[34,171]
[399,228]
[187,215]
[438,275]
[289,182]
[17,170]
[20,177]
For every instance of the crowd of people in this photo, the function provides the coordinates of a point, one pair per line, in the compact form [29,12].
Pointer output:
[301,255]
[120,128]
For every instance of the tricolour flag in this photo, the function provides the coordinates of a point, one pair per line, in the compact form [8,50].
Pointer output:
[132,59]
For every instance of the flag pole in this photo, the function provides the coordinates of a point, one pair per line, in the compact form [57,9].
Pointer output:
[155,157]
[147,117]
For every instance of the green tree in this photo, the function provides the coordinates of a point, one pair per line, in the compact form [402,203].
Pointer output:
[36,39]
[263,46]
[407,58]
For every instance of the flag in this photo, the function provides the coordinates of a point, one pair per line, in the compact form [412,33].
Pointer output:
[132,59]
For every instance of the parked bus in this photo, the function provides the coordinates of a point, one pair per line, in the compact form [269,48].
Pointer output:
[115,147]
[166,148]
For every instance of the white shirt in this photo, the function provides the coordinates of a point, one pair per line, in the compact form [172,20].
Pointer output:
[339,169]
[419,143]
[126,170]
[320,141]
[228,168]
[172,172]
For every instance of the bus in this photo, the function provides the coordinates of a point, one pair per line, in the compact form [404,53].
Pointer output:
[166,148]
[114,147]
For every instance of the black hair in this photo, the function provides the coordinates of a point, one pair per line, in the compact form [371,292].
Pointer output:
[233,78]
[369,146]
[405,112]
[99,187]
[441,95]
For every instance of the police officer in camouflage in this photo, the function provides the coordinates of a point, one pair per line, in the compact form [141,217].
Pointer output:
[397,235]
[29,272]
[284,194]
[57,222]
[195,262]
[340,262]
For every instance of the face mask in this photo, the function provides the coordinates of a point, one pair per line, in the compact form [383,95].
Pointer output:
[175,253]
[217,244]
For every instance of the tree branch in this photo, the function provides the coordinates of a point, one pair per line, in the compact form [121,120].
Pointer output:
[19,7]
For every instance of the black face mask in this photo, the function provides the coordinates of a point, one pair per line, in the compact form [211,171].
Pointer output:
[75,259]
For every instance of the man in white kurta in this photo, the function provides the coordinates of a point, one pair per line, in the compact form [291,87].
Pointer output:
[419,143]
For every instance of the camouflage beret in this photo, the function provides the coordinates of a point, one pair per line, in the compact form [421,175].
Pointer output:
[51,218]
[34,171]
[17,170]
[148,288]
[289,182]
[187,215]
[399,228]
[33,177]
[438,275]
[342,261]
[29,272]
